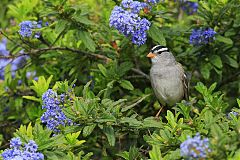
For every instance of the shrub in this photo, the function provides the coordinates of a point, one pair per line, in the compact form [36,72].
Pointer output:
[75,85]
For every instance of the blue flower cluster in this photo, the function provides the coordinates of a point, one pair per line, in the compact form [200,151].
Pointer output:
[26,28]
[153,1]
[189,7]
[195,148]
[201,36]
[3,47]
[54,116]
[15,64]
[232,113]
[126,20]
[19,152]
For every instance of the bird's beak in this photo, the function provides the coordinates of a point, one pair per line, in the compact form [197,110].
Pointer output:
[151,55]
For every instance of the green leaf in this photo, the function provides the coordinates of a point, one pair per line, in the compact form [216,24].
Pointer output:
[123,68]
[216,61]
[87,130]
[155,153]
[165,134]
[238,102]
[25,132]
[109,132]
[152,122]
[87,93]
[87,40]
[102,69]
[236,155]
[232,62]
[20,9]
[52,155]
[87,156]
[124,155]
[173,155]
[126,84]
[32,98]
[83,20]
[41,85]
[133,122]
[171,120]
[156,34]
[224,39]
[53,141]
[216,131]
[106,117]
[212,87]
[60,26]
[72,137]
[133,153]
[205,70]
[135,103]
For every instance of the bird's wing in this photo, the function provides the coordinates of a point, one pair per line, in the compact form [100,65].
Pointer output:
[185,81]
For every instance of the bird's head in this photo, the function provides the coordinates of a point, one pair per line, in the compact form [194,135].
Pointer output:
[159,52]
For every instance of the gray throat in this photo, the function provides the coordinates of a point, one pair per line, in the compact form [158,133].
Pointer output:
[164,59]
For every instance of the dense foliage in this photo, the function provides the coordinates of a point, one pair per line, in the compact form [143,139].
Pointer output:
[74,79]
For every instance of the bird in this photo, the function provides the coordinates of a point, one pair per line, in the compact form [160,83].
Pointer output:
[168,79]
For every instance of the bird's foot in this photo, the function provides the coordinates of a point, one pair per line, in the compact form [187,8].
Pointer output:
[157,115]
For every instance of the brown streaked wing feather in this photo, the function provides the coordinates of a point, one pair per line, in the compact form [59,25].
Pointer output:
[185,82]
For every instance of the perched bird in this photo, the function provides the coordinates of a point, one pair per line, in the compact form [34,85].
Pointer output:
[168,80]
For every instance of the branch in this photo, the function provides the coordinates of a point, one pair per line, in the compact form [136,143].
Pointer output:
[71,50]
[135,77]
[140,73]
[37,51]
[5,35]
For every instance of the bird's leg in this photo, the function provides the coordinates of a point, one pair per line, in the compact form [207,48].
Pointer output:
[157,115]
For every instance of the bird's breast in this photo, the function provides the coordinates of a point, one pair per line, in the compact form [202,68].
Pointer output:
[167,84]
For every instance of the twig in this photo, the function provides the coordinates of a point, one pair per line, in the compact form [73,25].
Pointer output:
[138,71]
[58,37]
[43,41]
[71,50]
[37,51]
[6,65]
[5,35]
[135,76]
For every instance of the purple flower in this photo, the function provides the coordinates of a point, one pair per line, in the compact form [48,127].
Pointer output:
[15,142]
[17,63]
[27,27]
[37,35]
[62,98]
[195,147]
[3,61]
[232,113]
[139,37]
[129,23]
[133,6]
[189,7]
[31,74]
[3,47]
[200,36]
[48,99]
[18,152]
[53,116]
[31,146]
[153,1]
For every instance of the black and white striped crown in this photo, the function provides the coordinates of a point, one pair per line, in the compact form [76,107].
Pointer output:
[159,49]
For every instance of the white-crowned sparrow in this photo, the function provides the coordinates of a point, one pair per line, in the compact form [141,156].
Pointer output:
[167,76]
